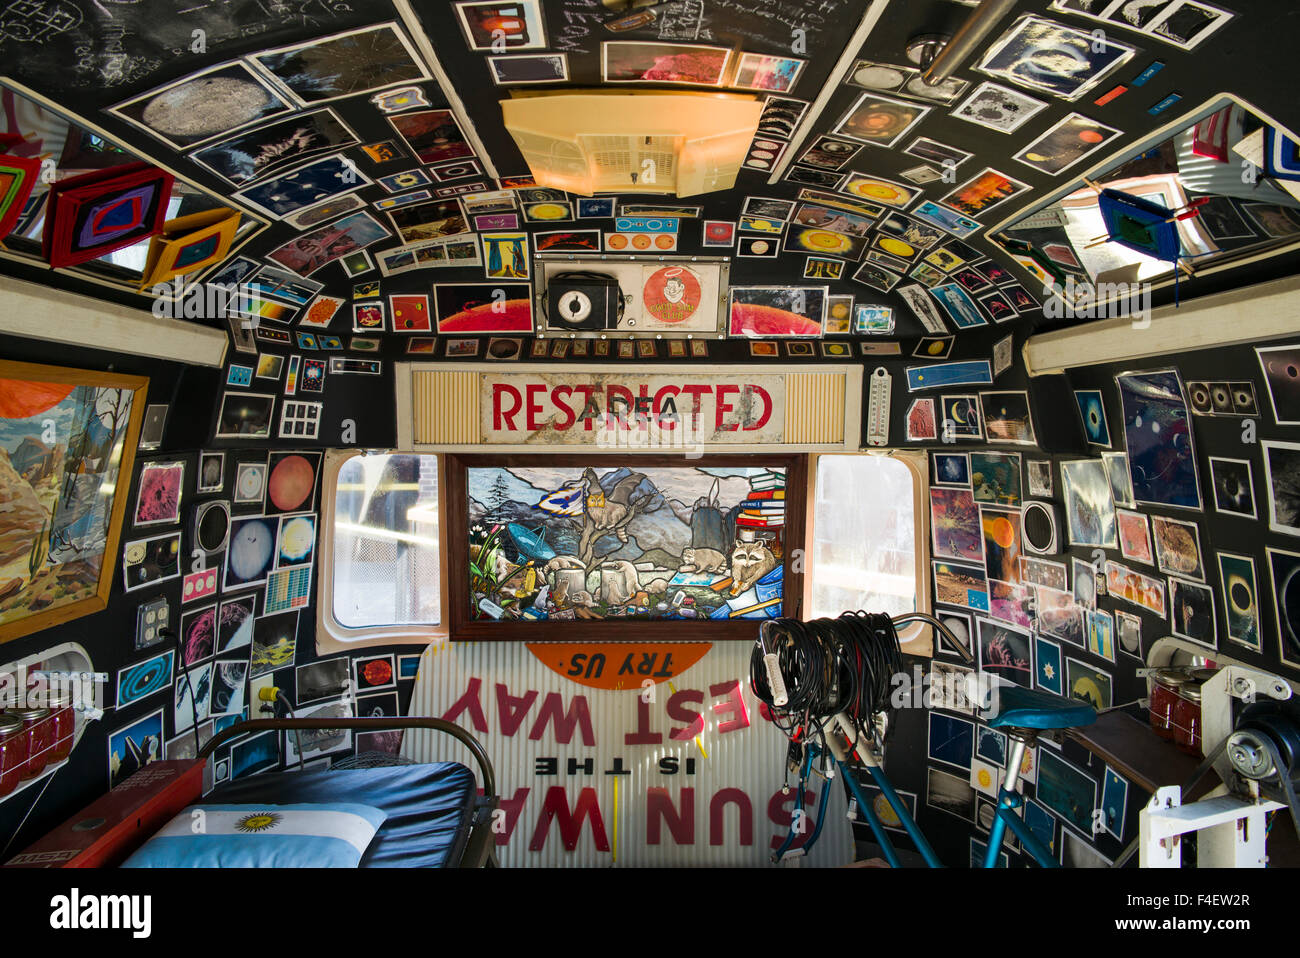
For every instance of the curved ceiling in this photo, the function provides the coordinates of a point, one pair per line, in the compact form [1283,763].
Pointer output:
[309,83]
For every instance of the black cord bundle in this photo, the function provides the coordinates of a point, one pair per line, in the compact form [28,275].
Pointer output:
[829,666]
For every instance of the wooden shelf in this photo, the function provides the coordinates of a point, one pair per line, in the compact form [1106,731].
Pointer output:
[1130,747]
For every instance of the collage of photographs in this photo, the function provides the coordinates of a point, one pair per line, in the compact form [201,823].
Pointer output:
[987,308]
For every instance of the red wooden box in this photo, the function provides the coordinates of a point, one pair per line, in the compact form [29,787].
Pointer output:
[108,830]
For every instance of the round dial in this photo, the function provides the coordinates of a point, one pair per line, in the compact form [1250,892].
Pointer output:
[250,483]
[575,306]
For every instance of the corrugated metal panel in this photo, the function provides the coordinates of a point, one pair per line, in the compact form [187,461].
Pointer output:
[446,407]
[814,408]
[751,758]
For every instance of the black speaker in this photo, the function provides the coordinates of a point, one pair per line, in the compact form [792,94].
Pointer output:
[212,526]
[587,301]
[1057,425]
[1040,523]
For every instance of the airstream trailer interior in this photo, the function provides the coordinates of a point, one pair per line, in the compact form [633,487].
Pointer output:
[608,433]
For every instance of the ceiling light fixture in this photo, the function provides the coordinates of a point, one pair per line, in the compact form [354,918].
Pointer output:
[651,141]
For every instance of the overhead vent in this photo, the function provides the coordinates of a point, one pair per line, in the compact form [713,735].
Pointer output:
[637,142]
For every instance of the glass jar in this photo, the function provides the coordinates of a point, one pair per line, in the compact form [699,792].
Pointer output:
[64,724]
[40,737]
[1164,697]
[13,753]
[1187,719]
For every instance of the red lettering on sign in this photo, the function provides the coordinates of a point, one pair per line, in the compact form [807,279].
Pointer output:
[696,393]
[556,805]
[469,702]
[777,813]
[669,391]
[553,710]
[694,720]
[718,811]
[590,409]
[500,415]
[733,705]
[620,398]
[512,808]
[659,810]
[642,735]
[534,407]
[722,407]
[513,709]
[567,415]
[767,406]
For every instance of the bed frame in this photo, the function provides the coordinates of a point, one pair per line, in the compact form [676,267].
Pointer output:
[110,829]
[480,848]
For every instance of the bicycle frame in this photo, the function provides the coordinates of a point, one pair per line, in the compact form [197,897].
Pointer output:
[1005,817]
[844,753]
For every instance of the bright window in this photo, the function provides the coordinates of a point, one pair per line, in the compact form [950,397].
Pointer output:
[385,569]
[865,534]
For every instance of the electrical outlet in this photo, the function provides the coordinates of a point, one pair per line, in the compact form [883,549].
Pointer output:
[151,618]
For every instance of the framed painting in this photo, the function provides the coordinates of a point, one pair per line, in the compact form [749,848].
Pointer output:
[562,547]
[69,437]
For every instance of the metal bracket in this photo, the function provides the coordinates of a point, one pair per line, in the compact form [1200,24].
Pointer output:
[1232,831]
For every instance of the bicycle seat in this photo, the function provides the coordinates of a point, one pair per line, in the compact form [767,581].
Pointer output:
[1017,707]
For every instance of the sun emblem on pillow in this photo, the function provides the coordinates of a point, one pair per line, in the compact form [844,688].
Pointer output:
[258,822]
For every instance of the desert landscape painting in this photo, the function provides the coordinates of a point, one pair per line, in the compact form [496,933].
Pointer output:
[63,447]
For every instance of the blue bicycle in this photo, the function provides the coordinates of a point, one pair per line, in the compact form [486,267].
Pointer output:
[823,683]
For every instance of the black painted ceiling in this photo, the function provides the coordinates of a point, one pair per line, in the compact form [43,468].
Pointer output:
[87,57]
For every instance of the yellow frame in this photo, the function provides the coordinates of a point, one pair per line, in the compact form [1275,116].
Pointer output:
[139,386]
[185,231]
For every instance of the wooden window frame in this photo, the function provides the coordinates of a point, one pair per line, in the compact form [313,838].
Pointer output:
[462,628]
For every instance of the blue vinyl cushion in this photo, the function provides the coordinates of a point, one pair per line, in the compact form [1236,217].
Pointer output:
[1018,707]
[429,807]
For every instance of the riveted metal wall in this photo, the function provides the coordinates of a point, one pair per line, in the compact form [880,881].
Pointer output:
[749,758]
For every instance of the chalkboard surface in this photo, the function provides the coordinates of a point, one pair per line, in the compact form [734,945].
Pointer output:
[56,46]
[763,25]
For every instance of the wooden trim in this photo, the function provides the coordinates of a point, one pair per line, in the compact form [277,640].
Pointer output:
[606,630]
[1266,311]
[139,386]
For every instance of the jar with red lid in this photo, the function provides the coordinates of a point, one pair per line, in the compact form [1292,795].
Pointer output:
[64,725]
[40,738]
[1187,719]
[1165,684]
[13,753]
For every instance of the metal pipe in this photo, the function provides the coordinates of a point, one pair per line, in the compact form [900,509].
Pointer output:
[978,25]
[868,810]
[378,724]
[938,626]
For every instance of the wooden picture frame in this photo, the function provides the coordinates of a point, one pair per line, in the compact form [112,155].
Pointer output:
[622,628]
[43,409]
